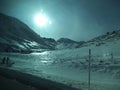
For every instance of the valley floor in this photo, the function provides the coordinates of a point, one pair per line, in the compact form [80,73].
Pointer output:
[74,73]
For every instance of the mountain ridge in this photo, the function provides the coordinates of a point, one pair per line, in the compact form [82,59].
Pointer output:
[15,33]
[15,36]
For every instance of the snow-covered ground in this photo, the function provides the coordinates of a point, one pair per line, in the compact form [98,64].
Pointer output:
[71,66]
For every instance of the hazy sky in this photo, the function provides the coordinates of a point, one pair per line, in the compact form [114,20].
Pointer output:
[74,19]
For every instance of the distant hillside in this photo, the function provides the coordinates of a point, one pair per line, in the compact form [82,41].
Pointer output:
[108,37]
[15,36]
[65,43]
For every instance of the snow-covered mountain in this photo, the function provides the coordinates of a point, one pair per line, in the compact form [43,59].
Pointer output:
[103,39]
[65,43]
[108,37]
[15,36]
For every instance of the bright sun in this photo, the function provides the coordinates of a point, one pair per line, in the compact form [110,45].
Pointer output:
[41,20]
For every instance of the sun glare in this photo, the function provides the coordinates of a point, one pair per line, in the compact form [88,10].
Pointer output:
[42,20]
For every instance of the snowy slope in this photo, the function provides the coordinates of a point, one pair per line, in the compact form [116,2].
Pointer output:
[108,37]
[15,35]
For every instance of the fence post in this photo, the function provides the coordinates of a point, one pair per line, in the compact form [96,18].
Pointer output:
[112,57]
[89,67]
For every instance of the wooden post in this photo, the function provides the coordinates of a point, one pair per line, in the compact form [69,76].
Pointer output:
[89,66]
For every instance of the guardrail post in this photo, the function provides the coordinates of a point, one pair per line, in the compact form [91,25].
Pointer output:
[89,67]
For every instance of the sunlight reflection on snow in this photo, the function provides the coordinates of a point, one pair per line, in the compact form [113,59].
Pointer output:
[44,53]
[44,61]
[44,58]
[38,53]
